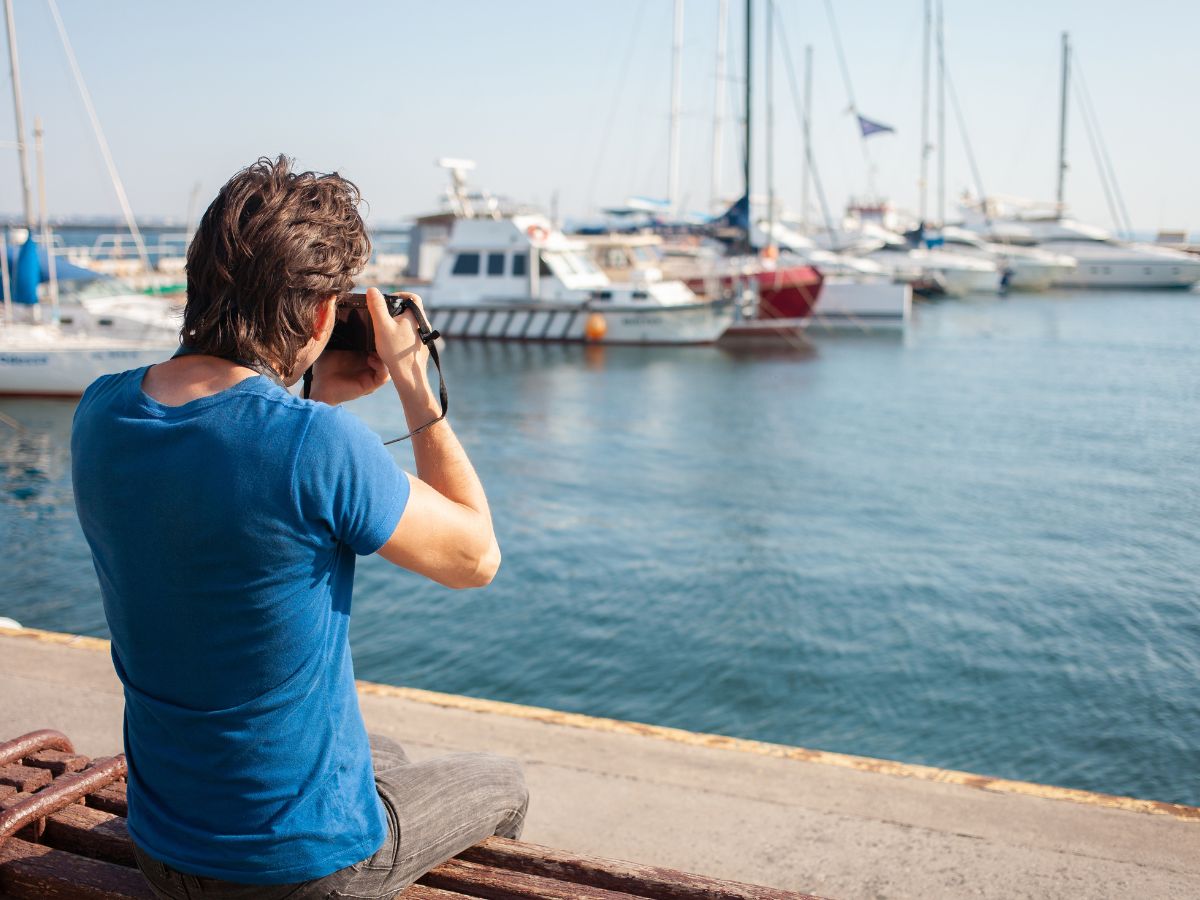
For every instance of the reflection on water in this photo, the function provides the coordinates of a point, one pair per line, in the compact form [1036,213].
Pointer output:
[34,454]
[973,546]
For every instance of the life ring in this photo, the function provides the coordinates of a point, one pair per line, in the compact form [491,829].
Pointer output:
[537,233]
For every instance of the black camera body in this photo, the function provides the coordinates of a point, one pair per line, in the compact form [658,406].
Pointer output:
[352,328]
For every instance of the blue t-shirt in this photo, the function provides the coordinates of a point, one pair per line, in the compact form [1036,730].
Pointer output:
[224,534]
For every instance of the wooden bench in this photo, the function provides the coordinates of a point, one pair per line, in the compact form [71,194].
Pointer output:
[62,835]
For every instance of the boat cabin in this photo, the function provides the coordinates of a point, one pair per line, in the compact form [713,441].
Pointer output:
[524,258]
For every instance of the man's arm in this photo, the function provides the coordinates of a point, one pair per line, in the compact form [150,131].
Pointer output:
[446,530]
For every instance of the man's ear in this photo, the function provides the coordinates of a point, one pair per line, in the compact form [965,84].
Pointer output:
[325,318]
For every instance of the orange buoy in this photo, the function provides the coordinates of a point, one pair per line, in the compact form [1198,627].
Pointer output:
[537,233]
[595,328]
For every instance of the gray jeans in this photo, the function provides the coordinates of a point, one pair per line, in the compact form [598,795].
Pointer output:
[435,810]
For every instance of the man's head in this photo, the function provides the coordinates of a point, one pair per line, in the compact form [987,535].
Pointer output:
[270,252]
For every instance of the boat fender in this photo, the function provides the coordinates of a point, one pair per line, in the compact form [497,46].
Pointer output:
[595,328]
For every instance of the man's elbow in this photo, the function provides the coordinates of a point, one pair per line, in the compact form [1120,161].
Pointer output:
[482,569]
[488,566]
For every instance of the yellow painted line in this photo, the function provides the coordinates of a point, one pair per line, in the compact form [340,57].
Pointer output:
[56,637]
[717,741]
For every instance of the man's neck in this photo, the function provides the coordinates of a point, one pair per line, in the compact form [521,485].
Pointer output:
[185,378]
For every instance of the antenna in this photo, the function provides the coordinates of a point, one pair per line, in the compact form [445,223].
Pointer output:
[460,200]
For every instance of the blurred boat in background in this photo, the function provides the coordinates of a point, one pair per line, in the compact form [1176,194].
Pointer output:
[500,272]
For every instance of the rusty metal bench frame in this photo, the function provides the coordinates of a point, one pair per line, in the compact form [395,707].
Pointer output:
[62,834]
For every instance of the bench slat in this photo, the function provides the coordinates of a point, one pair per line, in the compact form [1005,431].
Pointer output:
[110,799]
[616,875]
[424,892]
[475,880]
[91,833]
[58,762]
[24,778]
[35,872]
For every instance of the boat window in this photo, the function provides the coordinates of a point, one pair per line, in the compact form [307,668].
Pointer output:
[614,258]
[645,255]
[580,263]
[543,266]
[495,264]
[518,266]
[466,264]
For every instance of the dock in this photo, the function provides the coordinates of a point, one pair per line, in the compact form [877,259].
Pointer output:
[829,824]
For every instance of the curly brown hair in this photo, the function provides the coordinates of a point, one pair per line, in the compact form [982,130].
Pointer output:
[271,246]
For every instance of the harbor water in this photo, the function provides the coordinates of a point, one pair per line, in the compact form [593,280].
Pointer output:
[974,547]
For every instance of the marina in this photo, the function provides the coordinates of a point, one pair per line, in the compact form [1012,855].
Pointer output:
[848,506]
[926,547]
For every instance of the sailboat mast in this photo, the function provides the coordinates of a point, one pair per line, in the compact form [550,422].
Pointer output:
[44,215]
[19,109]
[923,181]
[1062,122]
[748,101]
[941,114]
[806,173]
[770,85]
[719,104]
[676,95]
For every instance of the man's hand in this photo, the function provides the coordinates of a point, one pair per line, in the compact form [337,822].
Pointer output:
[343,375]
[406,357]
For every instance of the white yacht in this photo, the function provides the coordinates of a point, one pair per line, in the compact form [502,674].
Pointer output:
[1102,261]
[1027,268]
[58,353]
[502,273]
[520,278]
[932,270]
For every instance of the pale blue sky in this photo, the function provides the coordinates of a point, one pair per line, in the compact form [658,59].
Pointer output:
[189,92]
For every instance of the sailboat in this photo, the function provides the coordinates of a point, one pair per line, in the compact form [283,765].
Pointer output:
[62,327]
[1102,261]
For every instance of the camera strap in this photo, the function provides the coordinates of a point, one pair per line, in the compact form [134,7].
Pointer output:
[429,338]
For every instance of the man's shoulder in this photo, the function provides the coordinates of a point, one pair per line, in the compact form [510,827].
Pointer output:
[333,426]
[106,389]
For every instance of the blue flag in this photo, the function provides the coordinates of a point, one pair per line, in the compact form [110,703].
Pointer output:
[870,127]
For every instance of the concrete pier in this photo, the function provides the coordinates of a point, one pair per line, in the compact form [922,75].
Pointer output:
[834,825]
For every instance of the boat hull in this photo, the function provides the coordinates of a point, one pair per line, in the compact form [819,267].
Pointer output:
[50,372]
[1112,273]
[848,304]
[789,292]
[691,323]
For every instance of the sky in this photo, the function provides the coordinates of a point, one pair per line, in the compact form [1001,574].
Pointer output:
[569,101]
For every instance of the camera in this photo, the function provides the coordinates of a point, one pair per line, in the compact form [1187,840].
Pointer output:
[352,328]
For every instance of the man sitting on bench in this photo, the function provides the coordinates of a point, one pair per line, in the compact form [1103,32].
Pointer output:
[224,515]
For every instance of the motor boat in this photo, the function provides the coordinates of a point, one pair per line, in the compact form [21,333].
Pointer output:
[519,277]
[1022,268]
[1102,261]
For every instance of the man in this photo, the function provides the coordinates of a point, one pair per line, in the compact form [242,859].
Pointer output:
[224,515]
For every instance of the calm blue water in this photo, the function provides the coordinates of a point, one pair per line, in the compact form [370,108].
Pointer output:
[976,547]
